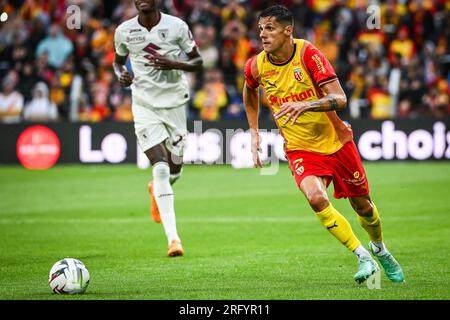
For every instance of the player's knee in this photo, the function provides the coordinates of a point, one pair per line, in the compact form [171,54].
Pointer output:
[318,201]
[161,171]
[365,209]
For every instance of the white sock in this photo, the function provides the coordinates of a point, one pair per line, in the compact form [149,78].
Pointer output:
[163,193]
[378,248]
[361,252]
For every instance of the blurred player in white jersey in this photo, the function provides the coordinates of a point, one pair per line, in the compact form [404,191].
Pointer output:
[154,41]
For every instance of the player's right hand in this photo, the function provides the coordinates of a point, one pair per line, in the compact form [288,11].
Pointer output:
[125,79]
[256,148]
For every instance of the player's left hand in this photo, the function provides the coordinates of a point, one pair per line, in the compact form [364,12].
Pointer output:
[293,110]
[163,63]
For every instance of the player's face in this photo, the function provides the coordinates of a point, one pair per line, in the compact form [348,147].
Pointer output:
[145,6]
[273,34]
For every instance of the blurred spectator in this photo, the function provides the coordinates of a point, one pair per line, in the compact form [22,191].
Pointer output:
[437,101]
[124,11]
[233,10]
[11,101]
[123,111]
[402,46]
[28,79]
[40,109]
[327,44]
[204,12]
[211,97]
[205,38]
[235,110]
[57,46]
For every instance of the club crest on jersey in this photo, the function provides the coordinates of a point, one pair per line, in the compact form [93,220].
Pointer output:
[163,34]
[298,74]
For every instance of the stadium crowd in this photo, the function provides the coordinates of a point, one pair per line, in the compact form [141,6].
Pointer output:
[397,68]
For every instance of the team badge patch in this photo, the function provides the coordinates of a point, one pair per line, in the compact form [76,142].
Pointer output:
[298,74]
[163,34]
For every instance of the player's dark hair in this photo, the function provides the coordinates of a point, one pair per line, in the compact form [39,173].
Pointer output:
[280,13]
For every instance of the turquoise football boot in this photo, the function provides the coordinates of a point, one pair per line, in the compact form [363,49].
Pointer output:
[367,266]
[391,266]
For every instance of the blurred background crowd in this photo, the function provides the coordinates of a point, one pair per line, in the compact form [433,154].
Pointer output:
[398,68]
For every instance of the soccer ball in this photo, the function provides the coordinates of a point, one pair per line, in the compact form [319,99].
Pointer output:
[68,276]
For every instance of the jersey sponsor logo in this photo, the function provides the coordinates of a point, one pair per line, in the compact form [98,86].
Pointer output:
[292,97]
[135,30]
[319,63]
[163,34]
[298,74]
[135,39]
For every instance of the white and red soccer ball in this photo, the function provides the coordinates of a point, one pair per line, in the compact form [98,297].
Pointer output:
[68,276]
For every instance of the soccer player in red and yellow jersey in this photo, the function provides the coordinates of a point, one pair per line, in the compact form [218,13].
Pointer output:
[304,94]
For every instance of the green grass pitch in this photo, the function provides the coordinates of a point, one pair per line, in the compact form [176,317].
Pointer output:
[246,236]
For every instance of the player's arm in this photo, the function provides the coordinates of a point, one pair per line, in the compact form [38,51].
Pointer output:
[334,100]
[251,103]
[120,59]
[121,71]
[193,64]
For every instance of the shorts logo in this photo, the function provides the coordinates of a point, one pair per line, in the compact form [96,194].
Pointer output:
[143,135]
[179,139]
[298,74]
[358,180]
[299,169]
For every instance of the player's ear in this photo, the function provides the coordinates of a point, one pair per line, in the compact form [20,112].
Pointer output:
[288,30]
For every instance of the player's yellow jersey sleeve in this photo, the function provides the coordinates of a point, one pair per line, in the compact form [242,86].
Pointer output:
[297,80]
